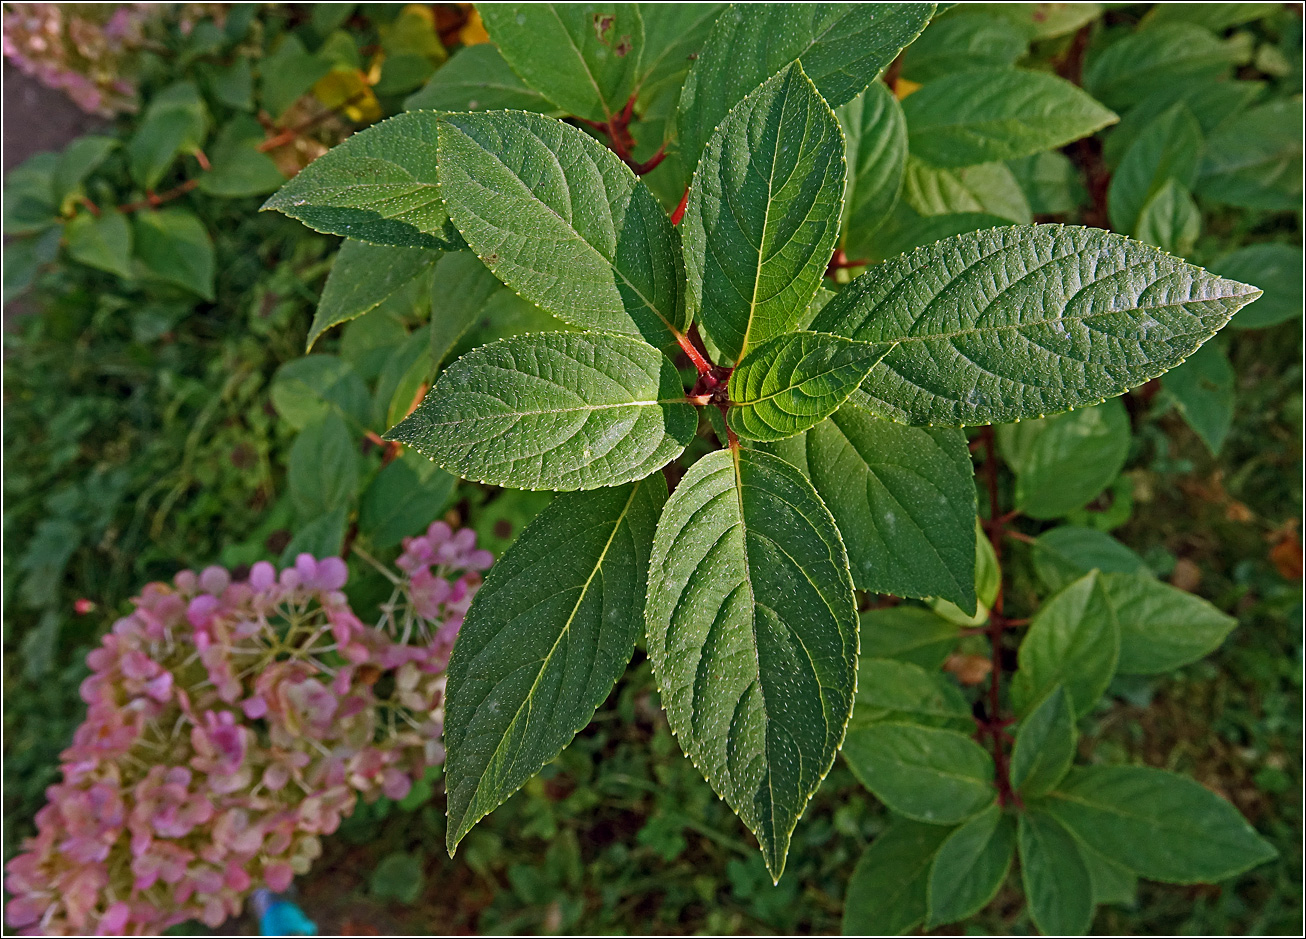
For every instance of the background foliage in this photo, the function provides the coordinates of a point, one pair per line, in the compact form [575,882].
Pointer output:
[156,398]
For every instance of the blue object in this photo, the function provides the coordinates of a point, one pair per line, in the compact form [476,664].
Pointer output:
[279,917]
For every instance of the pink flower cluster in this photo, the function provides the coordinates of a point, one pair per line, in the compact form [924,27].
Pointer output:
[86,51]
[230,725]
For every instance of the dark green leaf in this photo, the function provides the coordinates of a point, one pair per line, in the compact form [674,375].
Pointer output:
[583,58]
[1020,322]
[790,383]
[1050,182]
[404,498]
[899,691]
[103,241]
[752,632]
[887,890]
[1112,882]
[1064,462]
[554,411]
[1168,148]
[563,222]
[1045,745]
[904,500]
[909,634]
[1211,102]
[1058,887]
[965,41]
[1254,159]
[905,233]
[1170,219]
[674,34]
[379,186]
[1214,16]
[460,292]
[289,72]
[1161,825]
[320,537]
[323,469]
[174,246]
[970,867]
[1161,627]
[81,158]
[925,773]
[175,121]
[983,115]
[24,258]
[1068,552]
[843,48]
[990,188]
[233,85]
[547,636]
[1127,71]
[1203,387]
[876,145]
[477,79]
[763,214]
[1073,641]
[306,389]
[239,169]
[398,876]
[1275,268]
[363,276]
[29,197]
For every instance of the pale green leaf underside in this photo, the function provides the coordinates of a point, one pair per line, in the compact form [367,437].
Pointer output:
[583,58]
[983,115]
[563,222]
[557,411]
[763,213]
[752,633]
[548,634]
[792,382]
[379,186]
[1010,323]
[364,276]
[843,47]
[904,498]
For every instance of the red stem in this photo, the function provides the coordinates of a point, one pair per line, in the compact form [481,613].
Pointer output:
[677,215]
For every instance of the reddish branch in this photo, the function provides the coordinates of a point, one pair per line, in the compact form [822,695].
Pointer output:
[677,215]
[840,261]
[620,142]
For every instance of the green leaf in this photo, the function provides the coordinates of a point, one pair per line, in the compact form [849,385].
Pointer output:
[909,634]
[983,115]
[752,632]
[1045,745]
[763,213]
[965,41]
[1063,462]
[1170,219]
[239,169]
[989,188]
[1020,322]
[1163,826]
[78,160]
[1210,102]
[405,497]
[906,232]
[1214,16]
[1168,148]
[174,246]
[1042,20]
[554,411]
[876,143]
[1050,181]
[925,773]
[460,292]
[563,222]
[843,48]
[398,876]
[1203,387]
[477,79]
[1254,159]
[790,383]
[1073,641]
[287,74]
[320,537]
[306,389]
[232,85]
[1127,71]
[103,242]
[887,890]
[24,257]
[1068,552]
[363,276]
[674,34]
[323,469]
[902,692]
[904,499]
[549,633]
[1277,269]
[29,195]
[970,867]
[1161,627]
[583,58]
[175,121]
[1058,887]
[379,186]
[1112,882]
